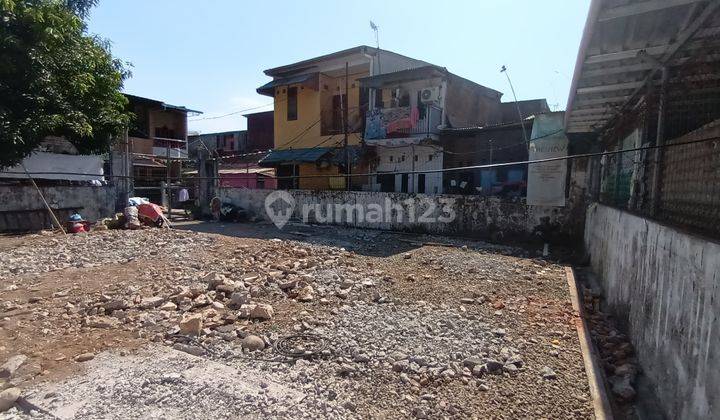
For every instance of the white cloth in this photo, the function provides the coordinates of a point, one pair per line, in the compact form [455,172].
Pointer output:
[183,195]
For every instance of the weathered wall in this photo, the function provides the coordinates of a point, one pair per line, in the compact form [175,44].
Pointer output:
[481,217]
[93,203]
[664,283]
[401,158]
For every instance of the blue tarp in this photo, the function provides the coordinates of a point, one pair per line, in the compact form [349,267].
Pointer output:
[309,155]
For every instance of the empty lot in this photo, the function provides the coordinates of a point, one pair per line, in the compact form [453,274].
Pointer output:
[137,324]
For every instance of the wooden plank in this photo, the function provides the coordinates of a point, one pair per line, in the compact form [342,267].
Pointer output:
[610,88]
[593,111]
[590,119]
[610,71]
[625,54]
[640,8]
[601,101]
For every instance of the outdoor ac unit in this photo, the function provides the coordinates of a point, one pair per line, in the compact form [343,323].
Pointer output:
[429,95]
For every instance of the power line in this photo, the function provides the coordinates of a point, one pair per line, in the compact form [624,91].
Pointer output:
[507,146]
[456,169]
[232,113]
[275,102]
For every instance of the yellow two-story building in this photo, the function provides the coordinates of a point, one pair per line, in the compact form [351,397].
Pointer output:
[311,99]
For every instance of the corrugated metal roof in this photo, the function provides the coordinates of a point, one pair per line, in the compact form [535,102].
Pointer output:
[269,88]
[528,122]
[295,156]
[417,73]
[624,46]
[135,98]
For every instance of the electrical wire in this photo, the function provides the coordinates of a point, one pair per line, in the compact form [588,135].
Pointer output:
[232,113]
[456,169]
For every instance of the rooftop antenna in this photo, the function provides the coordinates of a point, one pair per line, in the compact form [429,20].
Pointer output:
[375,28]
[504,69]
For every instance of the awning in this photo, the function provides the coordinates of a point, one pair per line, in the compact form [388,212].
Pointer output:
[308,79]
[333,155]
[294,156]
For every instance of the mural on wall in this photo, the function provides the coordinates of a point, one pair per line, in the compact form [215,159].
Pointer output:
[388,122]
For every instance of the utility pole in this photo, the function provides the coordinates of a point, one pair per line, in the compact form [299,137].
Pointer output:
[345,106]
[503,69]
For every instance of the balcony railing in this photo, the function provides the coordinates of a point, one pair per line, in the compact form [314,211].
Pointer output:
[173,153]
[402,122]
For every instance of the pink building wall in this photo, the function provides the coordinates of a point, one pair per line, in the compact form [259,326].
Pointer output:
[240,180]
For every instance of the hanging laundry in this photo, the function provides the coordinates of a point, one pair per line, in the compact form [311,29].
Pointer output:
[183,195]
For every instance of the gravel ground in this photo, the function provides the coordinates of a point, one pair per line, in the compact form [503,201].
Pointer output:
[161,324]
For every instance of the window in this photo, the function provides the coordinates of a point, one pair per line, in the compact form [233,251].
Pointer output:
[421,184]
[292,110]
[402,158]
[404,183]
[165,132]
[339,104]
[378,98]
[391,158]
[387,182]
[429,158]
[404,99]
[416,158]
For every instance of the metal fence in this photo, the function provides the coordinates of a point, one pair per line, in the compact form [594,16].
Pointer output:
[677,181]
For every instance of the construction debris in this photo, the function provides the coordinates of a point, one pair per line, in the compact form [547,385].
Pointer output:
[342,332]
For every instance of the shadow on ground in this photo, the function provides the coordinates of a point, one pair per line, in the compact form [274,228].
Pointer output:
[368,242]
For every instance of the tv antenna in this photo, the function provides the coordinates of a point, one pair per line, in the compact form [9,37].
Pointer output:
[375,28]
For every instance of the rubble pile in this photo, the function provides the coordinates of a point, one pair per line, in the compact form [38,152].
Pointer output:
[429,333]
[616,352]
[421,342]
[54,252]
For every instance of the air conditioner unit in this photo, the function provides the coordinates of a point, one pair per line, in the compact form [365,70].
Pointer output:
[429,95]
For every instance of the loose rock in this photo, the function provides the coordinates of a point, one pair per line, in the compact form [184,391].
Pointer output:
[253,343]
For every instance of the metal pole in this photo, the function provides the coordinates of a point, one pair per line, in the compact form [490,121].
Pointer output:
[345,106]
[517,105]
[127,170]
[659,141]
[168,193]
[412,176]
[377,43]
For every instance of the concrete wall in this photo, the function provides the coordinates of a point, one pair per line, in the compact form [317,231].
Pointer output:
[664,283]
[399,159]
[481,217]
[93,203]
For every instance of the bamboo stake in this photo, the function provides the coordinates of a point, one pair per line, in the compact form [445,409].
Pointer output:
[42,197]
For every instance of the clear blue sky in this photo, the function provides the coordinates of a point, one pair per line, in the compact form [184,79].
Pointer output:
[210,55]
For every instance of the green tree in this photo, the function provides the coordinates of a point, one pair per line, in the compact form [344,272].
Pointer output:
[81,7]
[55,79]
